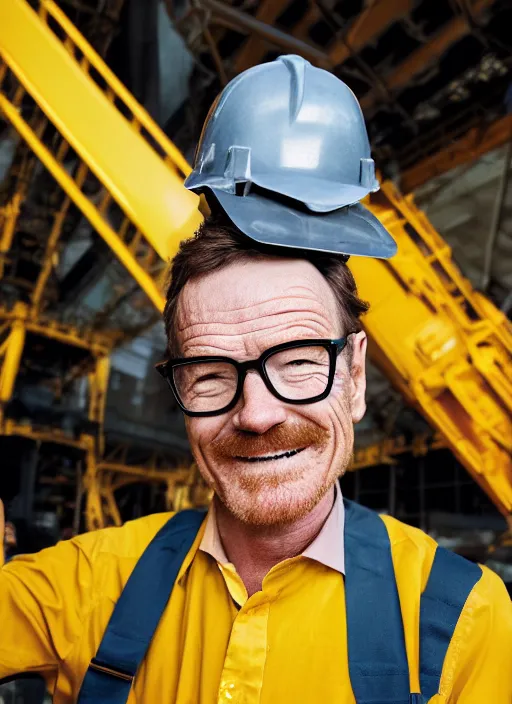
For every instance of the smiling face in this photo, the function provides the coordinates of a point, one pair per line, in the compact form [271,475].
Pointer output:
[268,461]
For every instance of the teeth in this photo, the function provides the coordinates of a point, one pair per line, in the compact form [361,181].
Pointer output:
[290,453]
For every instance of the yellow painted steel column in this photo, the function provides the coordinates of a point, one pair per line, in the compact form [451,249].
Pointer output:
[93,512]
[11,362]
[11,212]
[98,387]
[109,500]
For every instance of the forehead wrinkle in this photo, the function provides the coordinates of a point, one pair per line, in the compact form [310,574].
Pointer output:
[303,291]
[247,345]
[195,315]
[256,324]
[254,306]
[235,340]
[284,296]
[201,295]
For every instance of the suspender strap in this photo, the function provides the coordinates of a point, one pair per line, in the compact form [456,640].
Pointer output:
[449,584]
[137,612]
[378,667]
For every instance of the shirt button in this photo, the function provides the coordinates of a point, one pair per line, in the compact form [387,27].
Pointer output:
[227,690]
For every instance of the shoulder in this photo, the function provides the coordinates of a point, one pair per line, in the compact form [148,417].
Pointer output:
[478,664]
[129,540]
[410,544]
[490,596]
[92,552]
[488,612]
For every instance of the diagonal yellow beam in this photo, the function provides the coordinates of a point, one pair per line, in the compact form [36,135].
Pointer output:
[142,183]
[88,209]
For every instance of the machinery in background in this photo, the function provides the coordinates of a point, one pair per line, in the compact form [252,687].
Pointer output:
[443,345]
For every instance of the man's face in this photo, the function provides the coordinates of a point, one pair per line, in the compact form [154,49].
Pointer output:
[239,312]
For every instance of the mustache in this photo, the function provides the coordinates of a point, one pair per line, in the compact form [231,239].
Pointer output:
[279,439]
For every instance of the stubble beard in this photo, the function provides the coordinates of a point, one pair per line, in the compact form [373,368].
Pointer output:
[284,496]
[281,497]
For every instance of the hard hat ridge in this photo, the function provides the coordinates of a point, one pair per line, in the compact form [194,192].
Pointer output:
[297,67]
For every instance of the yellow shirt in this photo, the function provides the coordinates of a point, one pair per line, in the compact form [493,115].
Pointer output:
[286,643]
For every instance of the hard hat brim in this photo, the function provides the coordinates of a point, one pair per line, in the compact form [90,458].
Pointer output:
[352,230]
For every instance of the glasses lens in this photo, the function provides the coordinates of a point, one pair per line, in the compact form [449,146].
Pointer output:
[205,386]
[299,373]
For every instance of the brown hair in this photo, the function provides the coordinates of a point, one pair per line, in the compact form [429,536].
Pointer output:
[218,243]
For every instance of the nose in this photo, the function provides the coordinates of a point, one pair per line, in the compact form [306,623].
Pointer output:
[258,410]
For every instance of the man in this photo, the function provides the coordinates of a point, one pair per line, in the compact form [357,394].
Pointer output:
[284,593]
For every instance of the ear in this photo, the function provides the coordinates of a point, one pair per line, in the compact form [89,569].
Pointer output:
[358,376]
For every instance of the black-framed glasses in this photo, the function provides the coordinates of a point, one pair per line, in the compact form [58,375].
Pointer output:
[299,372]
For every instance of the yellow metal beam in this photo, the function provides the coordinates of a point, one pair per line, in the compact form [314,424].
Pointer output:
[97,342]
[47,434]
[136,473]
[51,245]
[474,144]
[94,518]
[9,219]
[138,177]
[384,452]
[120,249]
[98,387]
[10,212]
[449,352]
[116,90]
[11,361]
[103,479]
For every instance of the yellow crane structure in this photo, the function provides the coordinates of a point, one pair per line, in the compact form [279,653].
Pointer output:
[444,346]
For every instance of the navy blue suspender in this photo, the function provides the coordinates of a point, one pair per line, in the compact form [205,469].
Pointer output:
[377,660]
[378,667]
[137,612]
[450,581]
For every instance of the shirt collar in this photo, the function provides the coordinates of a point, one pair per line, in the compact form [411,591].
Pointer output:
[327,548]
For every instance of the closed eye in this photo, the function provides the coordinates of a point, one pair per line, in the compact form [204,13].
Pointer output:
[298,362]
[209,377]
